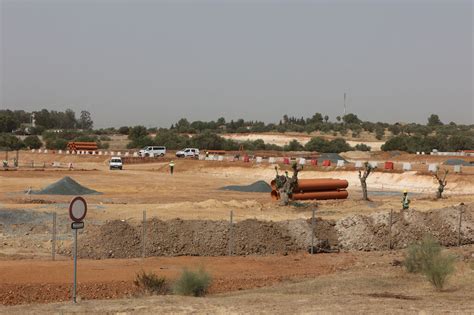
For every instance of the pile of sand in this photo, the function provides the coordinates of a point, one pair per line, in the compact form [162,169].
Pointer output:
[66,186]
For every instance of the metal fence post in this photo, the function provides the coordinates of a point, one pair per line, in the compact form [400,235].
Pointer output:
[459,226]
[53,240]
[231,232]
[390,245]
[144,235]
[313,223]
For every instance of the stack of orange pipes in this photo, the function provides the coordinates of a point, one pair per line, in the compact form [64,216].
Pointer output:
[319,189]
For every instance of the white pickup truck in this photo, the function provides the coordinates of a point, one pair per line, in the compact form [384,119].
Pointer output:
[188,152]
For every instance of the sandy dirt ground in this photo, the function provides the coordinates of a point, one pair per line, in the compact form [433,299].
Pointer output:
[342,283]
[302,283]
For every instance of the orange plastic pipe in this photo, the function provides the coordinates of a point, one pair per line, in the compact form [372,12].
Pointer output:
[320,184]
[321,195]
[275,195]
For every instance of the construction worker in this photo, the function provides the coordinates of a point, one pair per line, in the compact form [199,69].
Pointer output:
[171,167]
[405,200]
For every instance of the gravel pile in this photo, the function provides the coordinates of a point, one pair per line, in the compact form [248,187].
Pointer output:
[259,186]
[66,186]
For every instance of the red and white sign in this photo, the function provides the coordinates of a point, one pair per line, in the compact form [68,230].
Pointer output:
[78,209]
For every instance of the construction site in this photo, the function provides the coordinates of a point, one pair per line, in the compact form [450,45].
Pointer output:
[223,214]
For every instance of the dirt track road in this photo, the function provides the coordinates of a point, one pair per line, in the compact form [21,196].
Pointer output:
[33,281]
[364,283]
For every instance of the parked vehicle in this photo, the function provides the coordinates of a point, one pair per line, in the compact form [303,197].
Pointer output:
[116,163]
[188,152]
[152,151]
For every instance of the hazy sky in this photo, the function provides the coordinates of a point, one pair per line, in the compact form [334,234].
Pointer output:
[153,62]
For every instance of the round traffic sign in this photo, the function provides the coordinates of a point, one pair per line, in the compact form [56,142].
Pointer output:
[78,209]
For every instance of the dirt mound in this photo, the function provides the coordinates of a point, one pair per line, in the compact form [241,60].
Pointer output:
[178,237]
[114,239]
[259,186]
[359,232]
[117,239]
[261,237]
[191,238]
[66,186]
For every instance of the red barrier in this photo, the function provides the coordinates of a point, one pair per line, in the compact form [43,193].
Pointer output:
[388,165]
[286,160]
[314,162]
[246,158]
[327,163]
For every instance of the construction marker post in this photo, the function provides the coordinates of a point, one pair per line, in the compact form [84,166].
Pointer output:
[77,213]
[313,222]
[53,240]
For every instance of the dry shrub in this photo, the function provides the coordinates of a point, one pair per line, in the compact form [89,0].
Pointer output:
[193,283]
[427,258]
[152,283]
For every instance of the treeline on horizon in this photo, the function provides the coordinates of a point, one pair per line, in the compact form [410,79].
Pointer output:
[410,137]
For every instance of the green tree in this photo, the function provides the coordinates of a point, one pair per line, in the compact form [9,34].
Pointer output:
[8,121]
[137,132]
[362,147]
[351,119]
[85,120]
[379,132]
[10,142]
[33,142]
[124,130]
[293,145]
[171,139]
[326,119]
[317,118]
[434,121]
[395,129]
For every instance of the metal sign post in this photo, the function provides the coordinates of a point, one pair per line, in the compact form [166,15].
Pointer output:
[77,213]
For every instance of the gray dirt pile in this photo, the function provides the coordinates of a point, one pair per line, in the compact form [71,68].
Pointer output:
[66,186]
[259,186]
[359,232]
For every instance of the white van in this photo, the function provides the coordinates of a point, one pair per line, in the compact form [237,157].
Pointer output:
[188,152]
[152,151]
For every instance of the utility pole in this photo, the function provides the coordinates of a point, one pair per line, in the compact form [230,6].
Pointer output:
[344,104]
